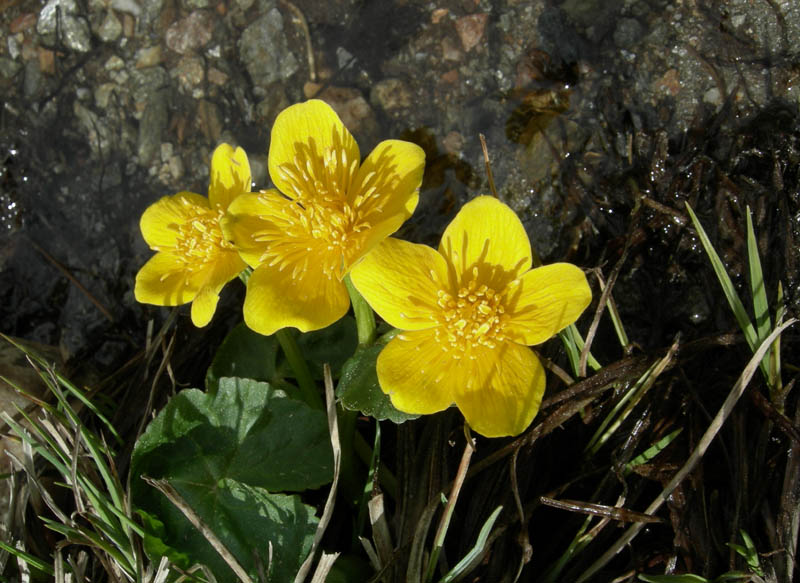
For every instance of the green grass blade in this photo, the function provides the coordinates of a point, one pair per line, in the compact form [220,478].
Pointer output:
[653,450]
[465,564]
[728,289]
[31,560]
[760,304]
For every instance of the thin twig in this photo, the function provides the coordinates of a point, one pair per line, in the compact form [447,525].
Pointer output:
[489,175]
[444,523]
[333,429]
[74,280]
[173,496]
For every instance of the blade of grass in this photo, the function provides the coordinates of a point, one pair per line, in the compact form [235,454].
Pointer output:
[31,560]
[760,304]
[473,556]
[728,288]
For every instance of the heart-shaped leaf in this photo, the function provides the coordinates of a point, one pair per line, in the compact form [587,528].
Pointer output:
[226,454]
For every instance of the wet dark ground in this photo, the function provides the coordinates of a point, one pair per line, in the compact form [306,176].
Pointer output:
[601,120]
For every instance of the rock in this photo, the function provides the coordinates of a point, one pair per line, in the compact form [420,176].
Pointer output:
[148,57]
[110,29]
[391,95]
[65,17]
[151,127]
[8,67]
[127,6]
[627,33]
[190,72]
[114,63]
[470,29]
[102,94]
[263,50]
[216,77]
[190,33]
[97,132]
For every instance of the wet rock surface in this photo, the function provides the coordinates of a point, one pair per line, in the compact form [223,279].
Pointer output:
[586,107]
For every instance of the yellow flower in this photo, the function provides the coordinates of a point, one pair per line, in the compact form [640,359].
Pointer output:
[469,313]
[194,260]
[330,211]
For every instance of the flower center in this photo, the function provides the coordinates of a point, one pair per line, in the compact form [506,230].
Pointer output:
[200,237]
[324,235]
[473,317]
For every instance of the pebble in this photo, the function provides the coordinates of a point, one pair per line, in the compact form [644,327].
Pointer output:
[102,94]
[114,63]
[263,50]
[148,57]
[391,95]
[8,67]
[64,16]
[127,6]
[470,29]
[190,33]
[216,76]
[110,29]
[189,71]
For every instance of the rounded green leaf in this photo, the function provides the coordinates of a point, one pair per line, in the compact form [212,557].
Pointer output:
[359,390]
[226,454]
[243,354]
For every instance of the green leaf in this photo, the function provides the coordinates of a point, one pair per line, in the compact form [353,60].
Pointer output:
[334,345]
[359,390]
[225,454]
[243,354]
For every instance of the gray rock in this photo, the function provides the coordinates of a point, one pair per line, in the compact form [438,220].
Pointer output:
[32,82]
[628,32]
[151,126]
[97,132]
[8,67]
[264,51]
[61,23]
[110,29]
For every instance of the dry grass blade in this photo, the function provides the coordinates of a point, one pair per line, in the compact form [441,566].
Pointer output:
[696,455]
[333,429]
[324,567]
[612,512]
[172,495]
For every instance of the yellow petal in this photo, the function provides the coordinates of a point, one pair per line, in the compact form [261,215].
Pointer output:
[486,234]
[503,391]
[230,175]
[401,280]
[161,220]
[248,216]
[415,372]
[311,153]
[547,300]
[307,300]
[204,305]
[164,281]
[386,191]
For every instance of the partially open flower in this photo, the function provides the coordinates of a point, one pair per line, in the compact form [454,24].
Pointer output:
[469,313]
[329,210]
[193,260]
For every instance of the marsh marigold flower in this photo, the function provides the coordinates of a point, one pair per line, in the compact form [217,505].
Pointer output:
[468,314]
[193,260]
[329,210]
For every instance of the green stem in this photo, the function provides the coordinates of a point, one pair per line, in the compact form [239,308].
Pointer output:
[365,317]
[308,388]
